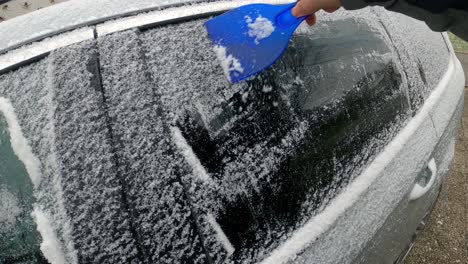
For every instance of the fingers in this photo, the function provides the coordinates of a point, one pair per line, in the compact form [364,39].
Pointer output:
[331,9]
[305,7]
[309,7]
[311,20]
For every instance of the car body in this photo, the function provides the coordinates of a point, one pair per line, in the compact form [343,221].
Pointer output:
[138,149]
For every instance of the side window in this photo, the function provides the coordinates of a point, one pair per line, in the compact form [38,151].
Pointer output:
[320,114]
[424,55]
[19,239]
[281,145]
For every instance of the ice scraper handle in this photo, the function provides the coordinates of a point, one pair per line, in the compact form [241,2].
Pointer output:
[286,19]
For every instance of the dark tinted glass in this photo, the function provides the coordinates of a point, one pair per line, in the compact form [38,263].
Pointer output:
[19,240]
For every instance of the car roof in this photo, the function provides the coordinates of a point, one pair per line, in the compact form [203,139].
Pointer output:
[57,19]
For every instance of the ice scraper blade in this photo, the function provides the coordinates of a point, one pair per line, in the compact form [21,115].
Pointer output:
[251,38]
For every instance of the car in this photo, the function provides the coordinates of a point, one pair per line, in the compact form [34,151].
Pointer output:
[122,141]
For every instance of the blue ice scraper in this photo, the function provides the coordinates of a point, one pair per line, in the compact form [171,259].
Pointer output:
[251,38]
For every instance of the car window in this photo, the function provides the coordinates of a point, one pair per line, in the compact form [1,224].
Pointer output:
[19,239]
[146,146]
[424,54]
[278,147]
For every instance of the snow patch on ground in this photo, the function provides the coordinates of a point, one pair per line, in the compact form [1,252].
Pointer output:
[19,143]
[228,62]
[259,29]
[50,245]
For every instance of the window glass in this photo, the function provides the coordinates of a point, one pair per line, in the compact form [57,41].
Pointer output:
[336,95]
[19,239]
[281,145]
[423,53]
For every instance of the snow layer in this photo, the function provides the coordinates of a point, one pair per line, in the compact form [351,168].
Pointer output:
[189,80]
[230,64]
[149,162]
[80,188]
[50,245]
[47,45]
[56,19]
[154,17]
[419,132]
[259,28]
[385,183]
[190,157]
[10,209]
[422,52]
[90,179]
[221,235]
[28,90]
[252,142]
[19,143]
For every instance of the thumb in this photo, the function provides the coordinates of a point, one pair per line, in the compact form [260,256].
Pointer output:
[305,8]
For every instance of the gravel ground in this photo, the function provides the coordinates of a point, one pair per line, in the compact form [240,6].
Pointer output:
[445,238]
[458,44]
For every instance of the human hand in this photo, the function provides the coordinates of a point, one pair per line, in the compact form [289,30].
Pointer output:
[309,7]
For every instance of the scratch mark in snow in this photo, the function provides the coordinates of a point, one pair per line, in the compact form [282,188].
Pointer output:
[220,234]
[50,245]
[189,155]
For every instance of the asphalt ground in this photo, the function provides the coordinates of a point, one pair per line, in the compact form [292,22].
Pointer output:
[445,237]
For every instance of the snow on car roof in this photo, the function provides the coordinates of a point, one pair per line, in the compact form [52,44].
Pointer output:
[73,14]
[70,15]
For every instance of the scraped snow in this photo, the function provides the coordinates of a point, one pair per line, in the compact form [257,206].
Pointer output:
[228,61]
[50,245]
[19,143]
[189,155]
[220,234]
[259,29]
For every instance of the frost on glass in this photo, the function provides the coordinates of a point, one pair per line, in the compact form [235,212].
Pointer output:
[54,19]
[279,146]
[423,53]
[92,188]
[59,107]
[150,167]
[25,88]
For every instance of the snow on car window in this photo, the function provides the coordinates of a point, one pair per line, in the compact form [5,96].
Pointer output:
[19,238]
[59,108]
[148,163]
[281,145]
[149,154]
[10,209]
[423,53]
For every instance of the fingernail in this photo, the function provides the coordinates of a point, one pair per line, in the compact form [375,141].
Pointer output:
[295,12]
